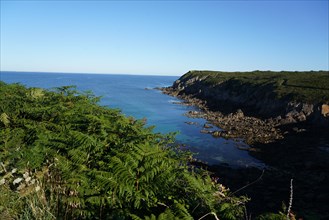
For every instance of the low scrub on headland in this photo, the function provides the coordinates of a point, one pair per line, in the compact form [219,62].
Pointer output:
[308,86]
[62,156]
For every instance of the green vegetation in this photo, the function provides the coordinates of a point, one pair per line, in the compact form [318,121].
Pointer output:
[300,86]
[62,156]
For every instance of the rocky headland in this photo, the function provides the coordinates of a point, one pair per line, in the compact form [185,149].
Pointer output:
[284,117]
[259,107]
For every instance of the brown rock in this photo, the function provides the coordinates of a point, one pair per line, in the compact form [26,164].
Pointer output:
[307,109]
[325,110]
[207,126]
[239,113]
[205,131]
[301,117]
[287,120]
[216,134]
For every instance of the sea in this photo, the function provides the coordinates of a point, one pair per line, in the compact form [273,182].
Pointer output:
[136,96]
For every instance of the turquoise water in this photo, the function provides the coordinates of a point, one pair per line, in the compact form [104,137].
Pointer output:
[135,97]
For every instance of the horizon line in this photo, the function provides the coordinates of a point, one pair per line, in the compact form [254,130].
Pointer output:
[144,74]
[90,73]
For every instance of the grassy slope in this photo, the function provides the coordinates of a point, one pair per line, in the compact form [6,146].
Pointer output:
[301,86]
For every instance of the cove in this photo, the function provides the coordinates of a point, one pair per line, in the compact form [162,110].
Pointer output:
[134,96]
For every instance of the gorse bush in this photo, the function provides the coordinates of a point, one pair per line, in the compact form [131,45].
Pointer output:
[65,157]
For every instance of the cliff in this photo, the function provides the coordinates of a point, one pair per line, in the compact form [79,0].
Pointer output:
[287,97]
[271,112]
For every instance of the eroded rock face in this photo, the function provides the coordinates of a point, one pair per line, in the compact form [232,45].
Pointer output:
[258,102]
[297,112]
[307,109]
[325,110]
[249,112]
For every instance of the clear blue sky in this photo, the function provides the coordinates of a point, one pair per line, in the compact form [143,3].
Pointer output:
[163,37]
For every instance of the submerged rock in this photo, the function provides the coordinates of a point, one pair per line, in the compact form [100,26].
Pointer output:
[191,123]
[207,126]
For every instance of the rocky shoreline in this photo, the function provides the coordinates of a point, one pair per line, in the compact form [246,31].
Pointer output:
[289,136]
[234,125]
[241,110]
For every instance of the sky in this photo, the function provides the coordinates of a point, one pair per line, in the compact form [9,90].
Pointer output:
[163,37]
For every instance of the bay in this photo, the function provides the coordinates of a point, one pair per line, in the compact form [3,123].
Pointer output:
[135,96]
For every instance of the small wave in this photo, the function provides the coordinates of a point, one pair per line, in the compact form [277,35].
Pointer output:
[174,101]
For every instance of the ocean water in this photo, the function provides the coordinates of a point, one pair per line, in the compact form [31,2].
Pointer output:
[135,96]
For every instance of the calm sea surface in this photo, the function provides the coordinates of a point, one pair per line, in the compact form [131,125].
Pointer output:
[135,97]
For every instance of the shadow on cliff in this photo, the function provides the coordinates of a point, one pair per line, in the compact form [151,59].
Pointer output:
[229,96]
[301,155]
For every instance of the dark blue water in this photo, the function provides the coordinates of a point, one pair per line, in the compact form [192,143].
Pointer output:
[129,93]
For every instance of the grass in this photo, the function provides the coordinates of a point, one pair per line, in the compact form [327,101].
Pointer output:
[311,86]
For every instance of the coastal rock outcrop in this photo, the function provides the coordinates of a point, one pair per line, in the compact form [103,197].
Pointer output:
[252,108]
[325,110]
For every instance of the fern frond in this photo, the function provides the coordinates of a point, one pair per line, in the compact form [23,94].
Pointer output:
[4,118]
